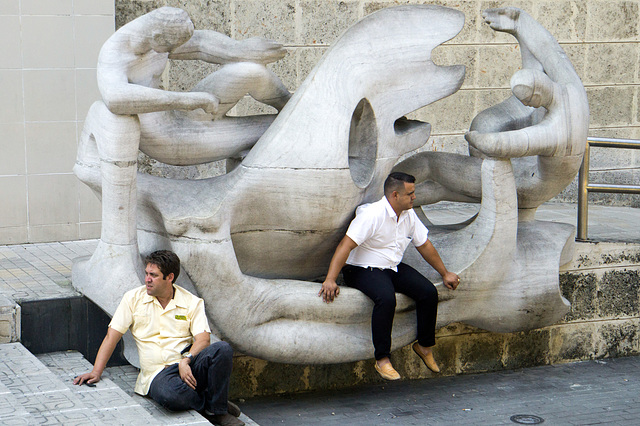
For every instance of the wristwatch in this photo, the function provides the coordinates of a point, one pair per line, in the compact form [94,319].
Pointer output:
[188,355]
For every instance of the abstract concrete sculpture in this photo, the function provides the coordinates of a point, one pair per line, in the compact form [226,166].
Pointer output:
[252,241]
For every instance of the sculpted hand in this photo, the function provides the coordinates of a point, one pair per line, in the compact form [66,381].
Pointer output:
[450,280]
[208,102]
[502,19]
[329,291]
[186,375]
[262,51]
[91,377]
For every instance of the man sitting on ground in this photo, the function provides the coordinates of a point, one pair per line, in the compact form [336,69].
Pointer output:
[179,368]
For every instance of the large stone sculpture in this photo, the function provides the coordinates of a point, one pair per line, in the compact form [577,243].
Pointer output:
[253,241]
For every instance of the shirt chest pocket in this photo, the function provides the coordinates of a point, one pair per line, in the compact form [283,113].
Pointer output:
[403,243]
[179,322]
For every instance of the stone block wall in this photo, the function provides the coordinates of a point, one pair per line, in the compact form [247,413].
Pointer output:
[602,283]
[47,78]
[10,320]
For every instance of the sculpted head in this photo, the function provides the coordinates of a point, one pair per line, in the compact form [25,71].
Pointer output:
[172,27]
[534,88]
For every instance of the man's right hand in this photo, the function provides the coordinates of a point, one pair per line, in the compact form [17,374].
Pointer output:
[329,291]
[91,377]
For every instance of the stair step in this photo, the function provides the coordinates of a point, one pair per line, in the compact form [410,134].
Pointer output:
[12,413]
[108,403]
[37,391]
[125,377]
[114,393]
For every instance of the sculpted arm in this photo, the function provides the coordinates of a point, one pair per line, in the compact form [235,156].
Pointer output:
[430,254]
[535,41]
[104,353]
[216,48]
[329,288]
[125,98]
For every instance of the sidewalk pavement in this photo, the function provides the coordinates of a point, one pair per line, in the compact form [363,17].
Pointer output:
[582,393]
[595,392]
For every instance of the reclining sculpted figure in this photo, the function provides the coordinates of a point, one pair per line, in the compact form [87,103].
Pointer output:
[542,127]
[253,240]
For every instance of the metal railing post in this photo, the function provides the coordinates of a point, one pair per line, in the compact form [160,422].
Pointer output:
[583,181]
[583,197]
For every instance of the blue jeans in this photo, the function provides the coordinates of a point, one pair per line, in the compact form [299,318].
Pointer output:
[381,285]
[212,370]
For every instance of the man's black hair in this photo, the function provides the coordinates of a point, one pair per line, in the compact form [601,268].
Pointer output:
[167,261]
[395,182]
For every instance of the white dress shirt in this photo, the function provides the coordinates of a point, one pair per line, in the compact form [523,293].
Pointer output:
[381,237]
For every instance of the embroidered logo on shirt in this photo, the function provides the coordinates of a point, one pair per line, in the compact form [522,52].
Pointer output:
[181,317]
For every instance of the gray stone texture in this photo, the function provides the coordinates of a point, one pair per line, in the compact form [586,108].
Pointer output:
[601,39]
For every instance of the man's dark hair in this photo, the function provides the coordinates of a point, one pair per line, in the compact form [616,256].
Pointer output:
[395,182]
[167,261]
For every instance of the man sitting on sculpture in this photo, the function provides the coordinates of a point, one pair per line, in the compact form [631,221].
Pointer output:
[370,257]
[179,368]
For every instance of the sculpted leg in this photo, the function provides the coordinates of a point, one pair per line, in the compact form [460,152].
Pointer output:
[443,176]
[115,265]
[233,81]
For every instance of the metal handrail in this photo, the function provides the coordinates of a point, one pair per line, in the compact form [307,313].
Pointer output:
[583,181]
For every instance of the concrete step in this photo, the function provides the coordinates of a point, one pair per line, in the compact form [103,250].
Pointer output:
[37,395]
[113,397]
[11,412]
[125,377]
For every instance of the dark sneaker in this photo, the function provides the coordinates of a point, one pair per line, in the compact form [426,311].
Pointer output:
[225,419]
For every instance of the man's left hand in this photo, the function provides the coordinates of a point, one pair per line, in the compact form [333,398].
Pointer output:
[185,373]
[451,280]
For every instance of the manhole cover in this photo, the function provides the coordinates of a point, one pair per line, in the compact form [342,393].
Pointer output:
[527,419]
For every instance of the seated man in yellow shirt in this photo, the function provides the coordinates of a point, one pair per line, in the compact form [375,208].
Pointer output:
[165,319]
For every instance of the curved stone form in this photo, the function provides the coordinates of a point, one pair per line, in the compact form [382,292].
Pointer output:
[251,241]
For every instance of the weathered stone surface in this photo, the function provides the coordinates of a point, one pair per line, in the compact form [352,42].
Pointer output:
[619,338]
[572,343]
[618,294]
[610,106]
[580,291]
[10,324]
[527,349]
[323,21]
[611,63]
[567,19]
[601,14]
[496,65]
[482,352]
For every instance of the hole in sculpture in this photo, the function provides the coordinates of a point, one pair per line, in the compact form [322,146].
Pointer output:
[363,144]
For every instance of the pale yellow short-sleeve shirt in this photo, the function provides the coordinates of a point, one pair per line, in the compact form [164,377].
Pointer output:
[160,334]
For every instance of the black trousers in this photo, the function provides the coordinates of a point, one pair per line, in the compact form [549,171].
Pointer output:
[381,285]
[212,370]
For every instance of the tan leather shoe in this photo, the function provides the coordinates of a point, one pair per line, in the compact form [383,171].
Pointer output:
[387,371]
[427,359]
[233,409]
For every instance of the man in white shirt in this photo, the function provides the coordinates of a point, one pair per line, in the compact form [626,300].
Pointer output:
[179,368]
[370,258]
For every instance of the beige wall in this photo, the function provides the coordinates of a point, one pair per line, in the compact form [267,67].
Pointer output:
[47,82]
[48,57]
